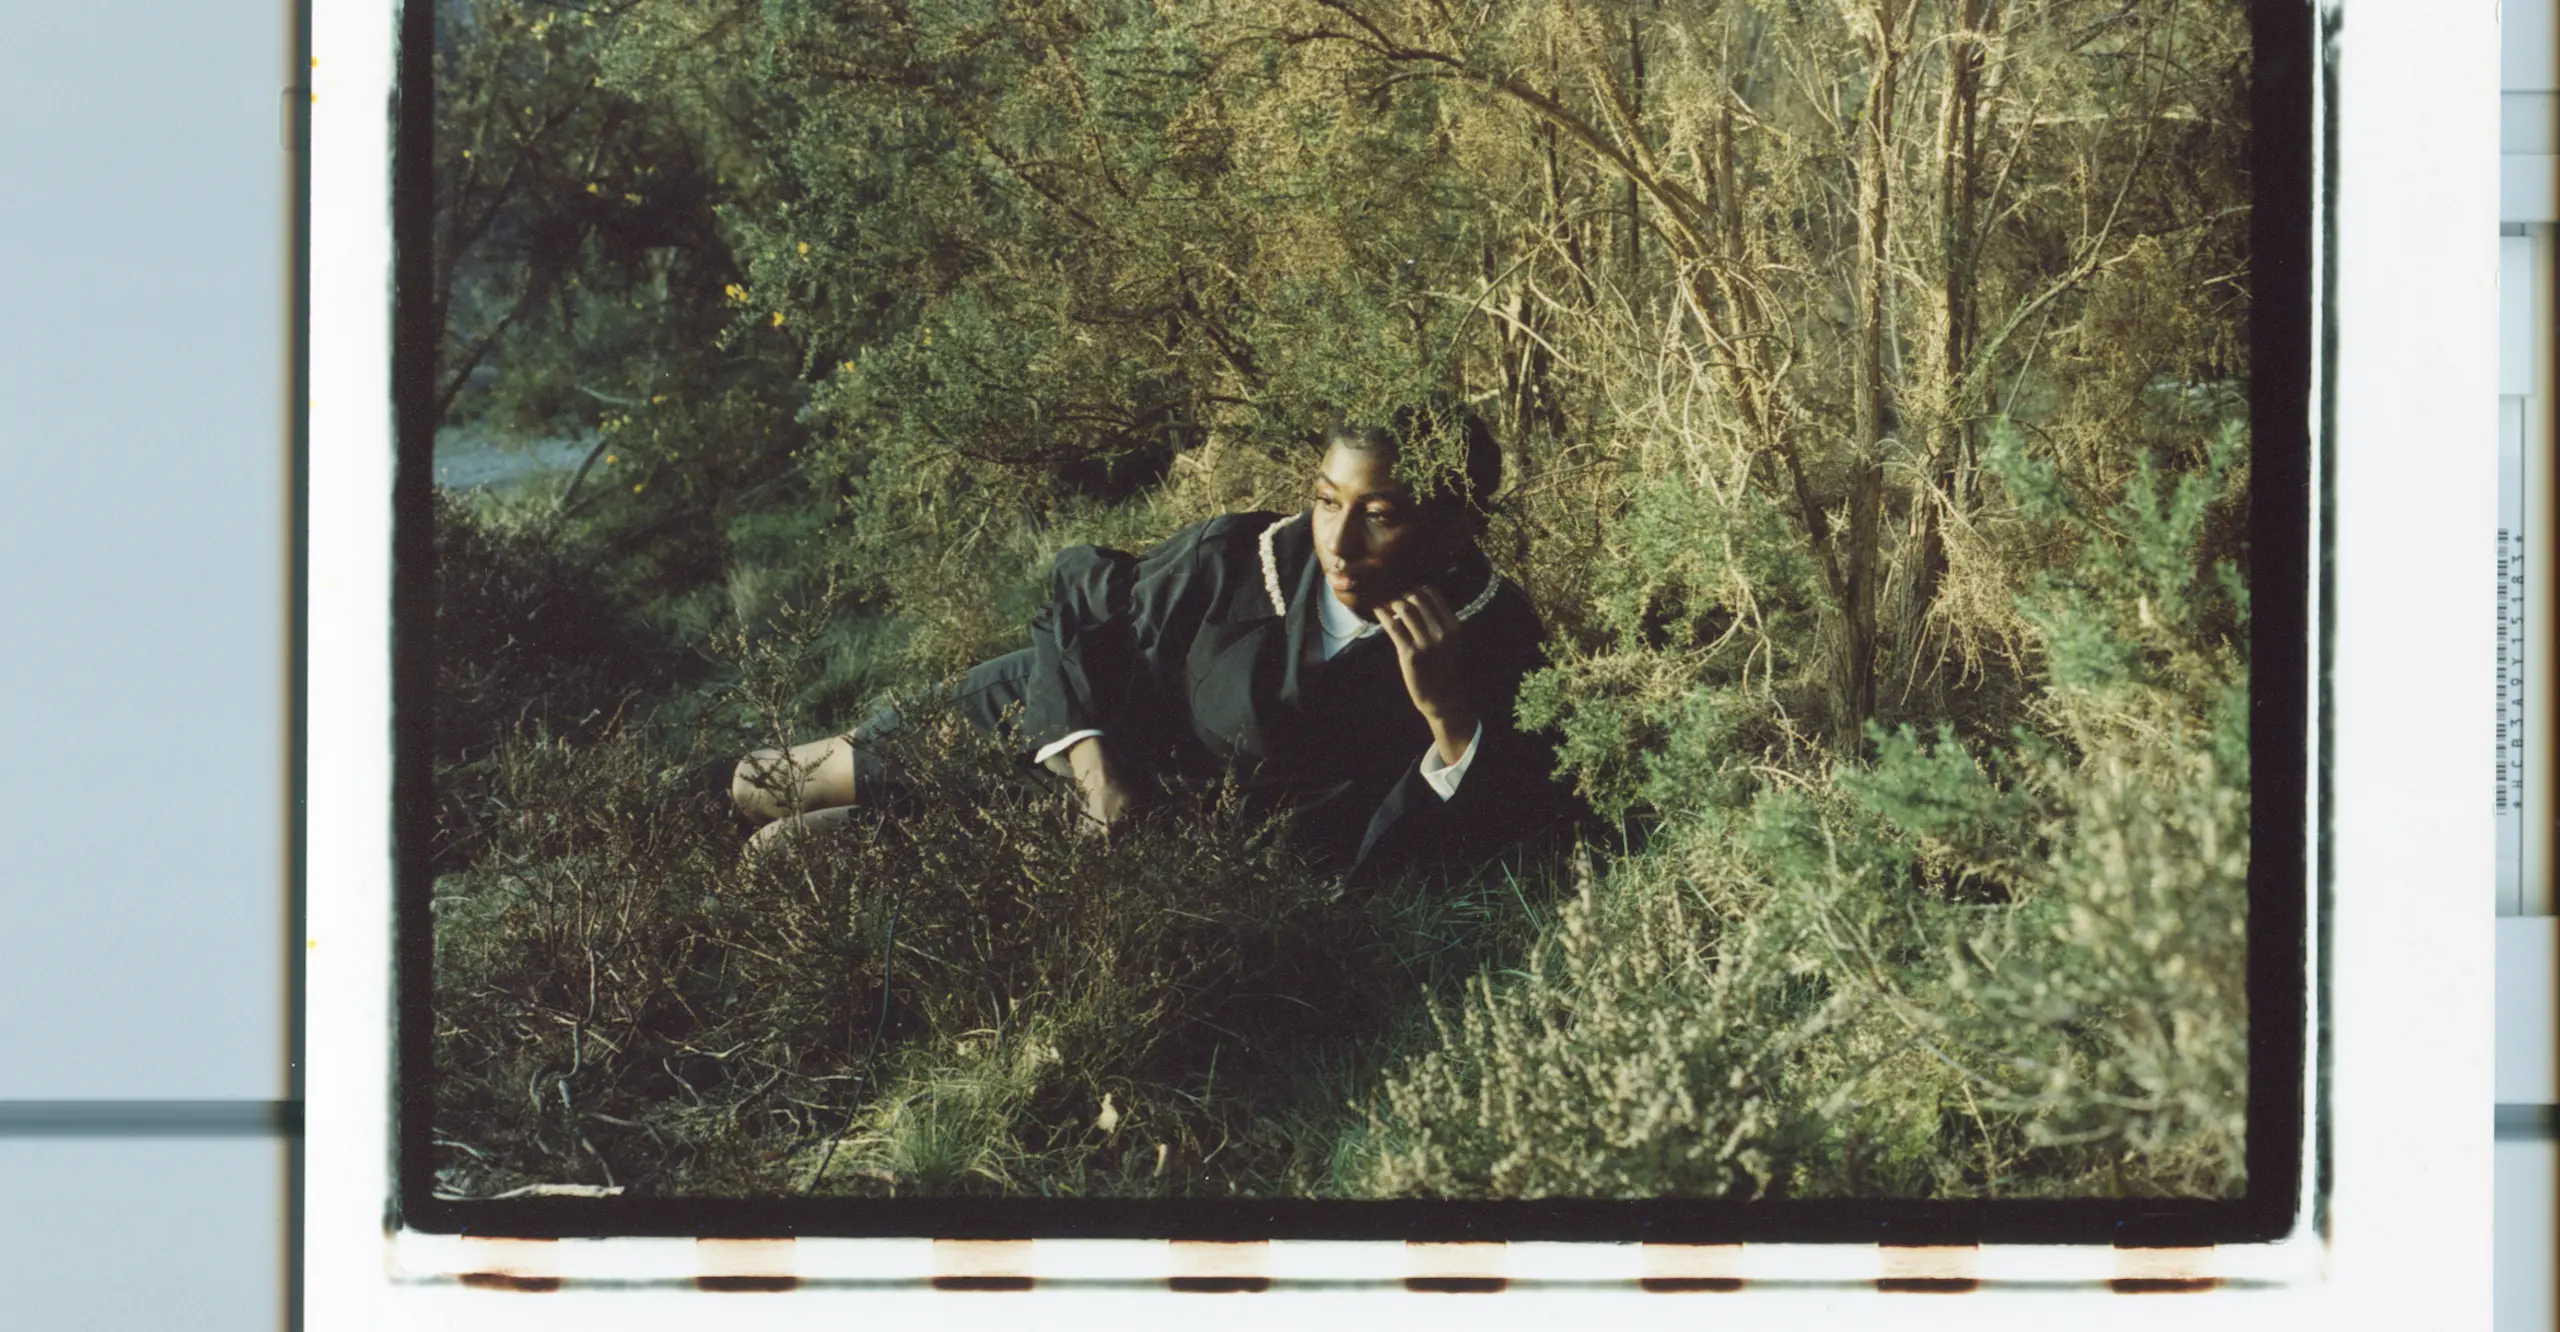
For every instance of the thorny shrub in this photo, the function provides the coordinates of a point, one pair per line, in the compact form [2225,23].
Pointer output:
[1935,972]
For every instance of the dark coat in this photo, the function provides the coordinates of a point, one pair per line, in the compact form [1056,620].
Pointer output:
[1193,660]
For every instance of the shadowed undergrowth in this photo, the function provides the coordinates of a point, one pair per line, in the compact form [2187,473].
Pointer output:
[958,993]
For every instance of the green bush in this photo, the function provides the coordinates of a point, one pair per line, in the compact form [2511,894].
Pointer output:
[1896,624]
[1935,972]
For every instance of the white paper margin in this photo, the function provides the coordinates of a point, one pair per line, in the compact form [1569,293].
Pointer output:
[2413,690]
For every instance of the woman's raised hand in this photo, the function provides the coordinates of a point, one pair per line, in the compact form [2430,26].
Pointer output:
[1427,637]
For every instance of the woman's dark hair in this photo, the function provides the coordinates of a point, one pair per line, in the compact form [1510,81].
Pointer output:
[1431,432]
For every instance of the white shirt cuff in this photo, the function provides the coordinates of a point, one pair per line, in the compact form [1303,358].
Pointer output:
[1444,777]
[1061,745]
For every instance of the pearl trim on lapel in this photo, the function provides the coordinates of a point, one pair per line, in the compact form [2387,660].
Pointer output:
[1492,584]
[1280,602]
[1271,565]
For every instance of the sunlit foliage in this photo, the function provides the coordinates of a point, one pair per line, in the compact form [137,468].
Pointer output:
[1871,375]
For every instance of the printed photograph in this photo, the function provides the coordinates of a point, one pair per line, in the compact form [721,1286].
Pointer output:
[1339,600]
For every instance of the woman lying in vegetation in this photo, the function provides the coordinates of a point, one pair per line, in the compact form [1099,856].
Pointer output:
[1354,664]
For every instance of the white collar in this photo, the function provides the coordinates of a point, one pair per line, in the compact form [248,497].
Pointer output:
[1337,618]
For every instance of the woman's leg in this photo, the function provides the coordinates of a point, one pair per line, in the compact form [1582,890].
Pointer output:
[825,774]
[794,828]
[772,783]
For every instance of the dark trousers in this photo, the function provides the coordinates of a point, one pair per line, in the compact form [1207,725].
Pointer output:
[988,698]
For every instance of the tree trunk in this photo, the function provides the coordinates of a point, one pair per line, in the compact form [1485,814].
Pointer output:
[1864,537]
[1959,195]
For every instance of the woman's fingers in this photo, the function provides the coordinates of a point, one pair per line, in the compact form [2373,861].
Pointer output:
[1432,613]
[1418,619]
[1445,619]
[1426,639]
[1391,620]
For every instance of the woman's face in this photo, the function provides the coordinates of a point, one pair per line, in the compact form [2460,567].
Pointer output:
[1375,542]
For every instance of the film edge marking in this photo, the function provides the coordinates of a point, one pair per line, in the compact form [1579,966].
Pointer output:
[1460,1268]
[2181,1271]
[1929,1269]
[529,1266]
[982,1265]
[1672,1269]
[1212,1267]
[747,1266]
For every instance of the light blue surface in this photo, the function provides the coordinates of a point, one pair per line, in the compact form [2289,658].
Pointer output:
[125,1234]
[2525,1234]
[144,197]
